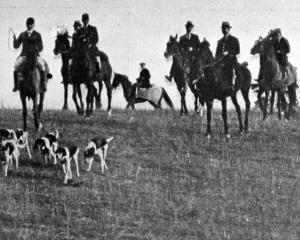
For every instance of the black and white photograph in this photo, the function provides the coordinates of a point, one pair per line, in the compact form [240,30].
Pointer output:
[149,119]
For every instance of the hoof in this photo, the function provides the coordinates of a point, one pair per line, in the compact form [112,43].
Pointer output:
[208,136]
[65,108]
[109,113]
[40,127]
[227,136]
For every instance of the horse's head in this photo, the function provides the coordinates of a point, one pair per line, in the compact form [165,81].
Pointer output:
[257,47]
[62,44]
[172,46]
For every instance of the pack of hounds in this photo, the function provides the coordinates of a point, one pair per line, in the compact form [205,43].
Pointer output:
[13,140]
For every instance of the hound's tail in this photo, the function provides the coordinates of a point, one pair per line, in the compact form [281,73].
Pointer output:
[109,139]
[56,133]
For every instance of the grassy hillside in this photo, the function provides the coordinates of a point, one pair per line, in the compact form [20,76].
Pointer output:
[164,181]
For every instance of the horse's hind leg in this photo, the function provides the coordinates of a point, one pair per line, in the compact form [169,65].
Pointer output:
[245,94]
[265,107]
[209,105]
[36,113]
[292,99]
[89,100]
[74,96]
[238,111]
[24,111]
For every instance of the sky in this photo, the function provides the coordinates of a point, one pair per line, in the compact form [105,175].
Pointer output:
[132,31]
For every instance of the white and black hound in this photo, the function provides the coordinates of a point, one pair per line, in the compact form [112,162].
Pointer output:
[18,135]
[48,146]
[97,146]
[11,152]
[64,156]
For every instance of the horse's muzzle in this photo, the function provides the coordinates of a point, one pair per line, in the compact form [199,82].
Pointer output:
[166,54]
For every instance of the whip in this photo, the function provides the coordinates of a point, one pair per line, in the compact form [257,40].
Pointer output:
[10,31]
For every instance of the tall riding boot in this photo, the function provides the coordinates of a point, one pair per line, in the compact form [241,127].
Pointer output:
[97,67]
[16,82]
[44,81]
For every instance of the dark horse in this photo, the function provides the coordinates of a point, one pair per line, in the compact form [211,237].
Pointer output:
[271,79]
[29,87]
[130,95]
[62,46]
[181,73]
[210,86]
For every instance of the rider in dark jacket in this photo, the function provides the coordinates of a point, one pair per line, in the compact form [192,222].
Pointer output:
[227,49]
[144,79]
[188,43]
[30,40]
[92,36]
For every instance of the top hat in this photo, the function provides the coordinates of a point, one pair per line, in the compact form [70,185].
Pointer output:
[84,17]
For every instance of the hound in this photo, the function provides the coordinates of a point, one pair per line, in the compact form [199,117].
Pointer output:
[64,156]
[48,146]
[11,152]
[18,135]
[97,146]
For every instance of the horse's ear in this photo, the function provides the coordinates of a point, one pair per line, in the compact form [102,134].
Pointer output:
[176,36]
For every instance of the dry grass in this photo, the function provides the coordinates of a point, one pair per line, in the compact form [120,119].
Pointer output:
[164,181]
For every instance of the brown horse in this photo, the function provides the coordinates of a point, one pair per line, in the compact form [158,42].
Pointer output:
[62,46]
[181,74]
[272,79]
[210,81]
[29,87]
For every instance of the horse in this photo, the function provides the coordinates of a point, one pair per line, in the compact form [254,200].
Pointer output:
[181,74]
[29,87]
[62,46]
[209,83]
[129,91]
[271,79]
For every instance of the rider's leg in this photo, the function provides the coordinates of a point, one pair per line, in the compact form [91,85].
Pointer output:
[172,70]
[44,79]
[17,67]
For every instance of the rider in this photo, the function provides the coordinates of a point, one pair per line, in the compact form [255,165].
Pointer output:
[30,40]
[188,43]
[227,49]
[92,35]
[143,81]
[75,37]
[282,48]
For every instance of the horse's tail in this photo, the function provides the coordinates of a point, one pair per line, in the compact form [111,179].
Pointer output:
[167,98]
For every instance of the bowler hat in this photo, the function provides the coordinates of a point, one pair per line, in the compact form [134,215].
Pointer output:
[77,23]
[189,24]
[30,21]
[226,25]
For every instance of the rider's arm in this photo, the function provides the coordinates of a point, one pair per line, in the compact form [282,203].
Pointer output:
[219,50]
[235,50]
[93,38]
[287,47]
[39,43]
[18,41]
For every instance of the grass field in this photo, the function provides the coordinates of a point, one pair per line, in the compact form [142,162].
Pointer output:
[164,180]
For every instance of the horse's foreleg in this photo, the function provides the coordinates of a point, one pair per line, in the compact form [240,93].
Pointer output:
[65,106]
[35,112]
[292,99]
[209,106]
[74,96]
[265,107]
[89,100]
[224,116]
[98,96]
[272,100]
[80,98]
[283,104]
[24,111]
[247,110]
[238,111]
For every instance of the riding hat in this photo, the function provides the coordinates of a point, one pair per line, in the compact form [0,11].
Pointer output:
[189,24]
[226,25]
[77,23]
[277,30]
[85,16]
[142,64]
[30,21]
